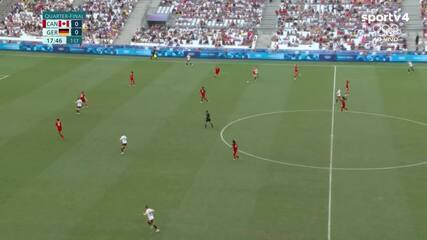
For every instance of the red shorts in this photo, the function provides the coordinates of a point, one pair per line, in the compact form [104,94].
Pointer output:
[59,129]
[217,72]
[203,96]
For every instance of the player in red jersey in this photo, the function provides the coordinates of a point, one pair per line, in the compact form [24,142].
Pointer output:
[343,104]
[131,79]
[203,96]
[255,73]
[235,150]
[296,71]
[217,71]
[347,88]
[84,99]
[58,125]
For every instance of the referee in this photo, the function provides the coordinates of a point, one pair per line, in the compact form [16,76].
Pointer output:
[208,119]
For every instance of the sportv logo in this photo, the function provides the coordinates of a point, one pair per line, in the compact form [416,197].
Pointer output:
[385,17]
[386,27]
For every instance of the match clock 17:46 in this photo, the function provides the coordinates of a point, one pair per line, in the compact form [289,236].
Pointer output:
[55,40]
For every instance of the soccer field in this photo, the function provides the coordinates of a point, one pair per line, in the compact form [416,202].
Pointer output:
[305,171]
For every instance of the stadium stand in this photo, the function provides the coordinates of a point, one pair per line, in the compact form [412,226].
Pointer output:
[5,6]
[104,18]
[24,17]
[205,23]
[423,9]
[165,7]
[334,25]
[301,24]
[160,35]
[220,13]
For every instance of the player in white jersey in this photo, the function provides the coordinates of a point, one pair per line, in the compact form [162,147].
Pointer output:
[188,61]
[124,143]
[411,67]
[338,95]
[149,212]
[79,105]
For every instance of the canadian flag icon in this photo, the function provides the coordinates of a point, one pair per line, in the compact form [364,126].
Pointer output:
[63,23]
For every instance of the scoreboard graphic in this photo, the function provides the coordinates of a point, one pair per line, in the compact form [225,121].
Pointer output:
[62,27]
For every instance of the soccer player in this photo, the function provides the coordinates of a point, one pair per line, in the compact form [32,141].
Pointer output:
[338,95]
[84,99]
[235,150]
[296,71]
[58,125]
[154,54]
[217,71]
[208,119]
[255,73]
[124,143]
[131,79]
[203,96]
[150,218]
[188,61]
[79,105]
[347,88]
[411,67]
[343,105]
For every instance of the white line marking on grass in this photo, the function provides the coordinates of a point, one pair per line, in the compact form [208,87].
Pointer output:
[263,158]
[3,76]
[331,154]
[323,167]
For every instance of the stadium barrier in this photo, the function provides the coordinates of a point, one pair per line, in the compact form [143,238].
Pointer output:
[259,54]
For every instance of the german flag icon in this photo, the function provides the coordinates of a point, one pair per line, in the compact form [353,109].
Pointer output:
[64,32]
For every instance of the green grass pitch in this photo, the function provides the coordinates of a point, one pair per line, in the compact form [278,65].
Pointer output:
[83,189]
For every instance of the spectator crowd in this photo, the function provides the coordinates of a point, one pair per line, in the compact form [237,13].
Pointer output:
[25,16]
[224,13]
[338,25]
[301,24]
[194,37]
[104,18]
[423,6]
[204,23]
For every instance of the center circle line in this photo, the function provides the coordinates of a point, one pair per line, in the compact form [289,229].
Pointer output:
[320,167]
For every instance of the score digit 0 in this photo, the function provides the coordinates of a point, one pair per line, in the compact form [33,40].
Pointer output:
[76,32]
[76,23]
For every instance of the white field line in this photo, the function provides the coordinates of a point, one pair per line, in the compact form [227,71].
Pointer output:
[2,76]
[289,164]
[331,154]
